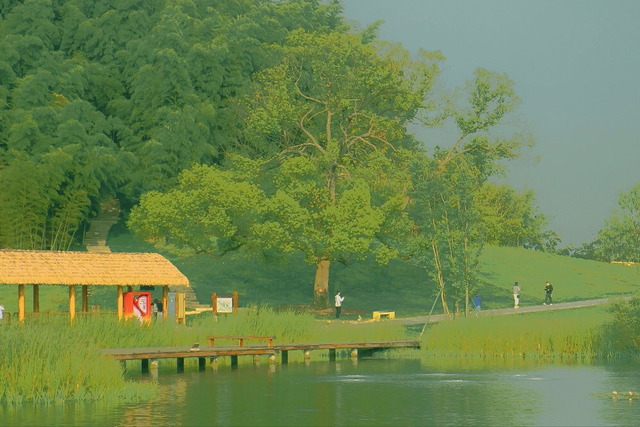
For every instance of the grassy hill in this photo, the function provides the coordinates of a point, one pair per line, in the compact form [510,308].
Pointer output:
[366,285]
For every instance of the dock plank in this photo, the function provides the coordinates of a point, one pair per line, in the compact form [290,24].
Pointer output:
[349,345]
[139,353]
[184,352]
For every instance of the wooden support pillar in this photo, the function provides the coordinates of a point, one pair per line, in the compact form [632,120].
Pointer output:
[332,355]
[284,356]
[180,361]
[165,301]
[85,298]
[72,302]
[145,366]
[234,361]
[21,303]
[202,363]
[235,302]
[214,303]
[120,303]
[36,299]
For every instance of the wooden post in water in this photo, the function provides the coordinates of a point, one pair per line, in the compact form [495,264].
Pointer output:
[36,299]
[144,366]
[284,356]
[202,363]
[234,361]
[21,303]
[180,362]
[332,355]
[72,302]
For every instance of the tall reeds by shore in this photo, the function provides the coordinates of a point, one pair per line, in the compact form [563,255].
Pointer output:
[48,360]
[52,362]
[571,336]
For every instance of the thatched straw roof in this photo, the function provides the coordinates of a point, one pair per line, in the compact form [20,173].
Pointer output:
[87,268]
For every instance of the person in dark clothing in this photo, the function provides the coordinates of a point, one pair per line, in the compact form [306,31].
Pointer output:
[158,306]
[548,289]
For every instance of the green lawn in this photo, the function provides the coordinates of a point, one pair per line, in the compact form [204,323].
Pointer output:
[366,285]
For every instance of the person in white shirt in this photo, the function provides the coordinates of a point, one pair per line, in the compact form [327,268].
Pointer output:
[339,300]
[516,295]
[1,312]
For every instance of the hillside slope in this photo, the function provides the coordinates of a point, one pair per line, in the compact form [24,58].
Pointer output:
[397,286]
[367,286]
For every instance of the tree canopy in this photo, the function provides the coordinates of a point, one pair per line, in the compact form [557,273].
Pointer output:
[264,126]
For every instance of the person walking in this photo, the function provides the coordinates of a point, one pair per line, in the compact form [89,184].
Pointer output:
[516,295]
[477,301]
[339,300]
[548,289]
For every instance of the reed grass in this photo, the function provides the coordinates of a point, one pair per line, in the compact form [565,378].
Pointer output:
[569,336]
[48,360]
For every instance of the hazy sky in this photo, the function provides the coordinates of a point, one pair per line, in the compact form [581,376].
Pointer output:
[576,66]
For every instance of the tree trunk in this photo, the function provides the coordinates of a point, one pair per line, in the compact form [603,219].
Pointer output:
[436,256]
[321,285]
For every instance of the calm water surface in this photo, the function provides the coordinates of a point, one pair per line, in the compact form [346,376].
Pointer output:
[365,393]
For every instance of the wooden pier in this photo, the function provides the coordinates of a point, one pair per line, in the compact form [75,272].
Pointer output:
[145,354]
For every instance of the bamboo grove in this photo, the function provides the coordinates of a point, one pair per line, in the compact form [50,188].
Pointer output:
[252,125]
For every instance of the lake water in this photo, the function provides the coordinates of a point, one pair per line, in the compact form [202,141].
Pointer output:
[367,392]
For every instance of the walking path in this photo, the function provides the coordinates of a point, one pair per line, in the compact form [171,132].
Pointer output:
[504,311]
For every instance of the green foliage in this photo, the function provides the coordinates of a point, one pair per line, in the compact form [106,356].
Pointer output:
[510,218]
[447,234]
[131,92]
[619,240]
[620,338]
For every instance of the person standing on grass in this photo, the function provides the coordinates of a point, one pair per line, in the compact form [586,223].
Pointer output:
[1,313]
[339,300]
[476,303]
[548,289]
[516,295]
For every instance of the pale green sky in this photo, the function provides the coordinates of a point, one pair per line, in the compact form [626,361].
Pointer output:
[576,66]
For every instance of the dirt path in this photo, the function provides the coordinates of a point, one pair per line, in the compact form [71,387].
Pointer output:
[504,311]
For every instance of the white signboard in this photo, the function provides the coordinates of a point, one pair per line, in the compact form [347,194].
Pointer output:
[224,305]
[141,305]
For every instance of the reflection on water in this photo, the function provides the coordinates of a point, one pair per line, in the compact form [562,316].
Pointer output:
[371,392]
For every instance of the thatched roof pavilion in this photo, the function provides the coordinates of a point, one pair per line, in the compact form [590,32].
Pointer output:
[18,267]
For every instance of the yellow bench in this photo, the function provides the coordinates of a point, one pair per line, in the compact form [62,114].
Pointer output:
[377,315]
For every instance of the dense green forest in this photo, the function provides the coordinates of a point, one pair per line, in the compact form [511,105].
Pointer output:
[256,126]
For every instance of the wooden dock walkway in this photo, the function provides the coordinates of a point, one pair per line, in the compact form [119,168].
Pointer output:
[145,354]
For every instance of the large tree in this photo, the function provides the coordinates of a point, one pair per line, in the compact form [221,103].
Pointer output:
[447,233]
[328,125]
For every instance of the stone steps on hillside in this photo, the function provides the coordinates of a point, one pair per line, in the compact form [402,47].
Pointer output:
[95,239]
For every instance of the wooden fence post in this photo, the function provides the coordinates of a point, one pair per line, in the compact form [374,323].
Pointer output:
[235,302]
